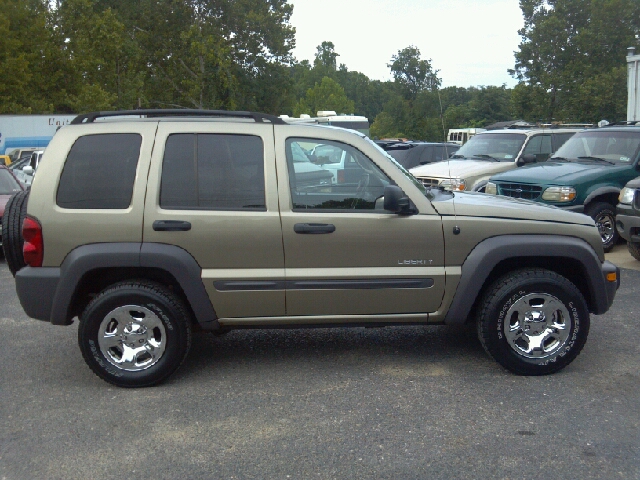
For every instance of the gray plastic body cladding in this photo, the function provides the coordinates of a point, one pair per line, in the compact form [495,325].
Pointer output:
[488,253]
[171,259]
[36,288]
[184,268]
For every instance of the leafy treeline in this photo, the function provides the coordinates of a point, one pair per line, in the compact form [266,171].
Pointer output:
[81,55]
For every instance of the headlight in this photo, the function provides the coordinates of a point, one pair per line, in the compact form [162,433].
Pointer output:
[491,189]
[559,194]
[456,184]
[626,195]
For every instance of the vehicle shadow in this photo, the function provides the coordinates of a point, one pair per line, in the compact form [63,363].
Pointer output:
[356,347]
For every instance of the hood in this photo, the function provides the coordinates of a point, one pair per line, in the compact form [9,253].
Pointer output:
[460,168]
[559,173]
[482,205]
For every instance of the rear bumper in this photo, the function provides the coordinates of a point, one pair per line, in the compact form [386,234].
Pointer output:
[36,288]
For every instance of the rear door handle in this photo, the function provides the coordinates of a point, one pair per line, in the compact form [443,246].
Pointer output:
[314,228]
[171,226]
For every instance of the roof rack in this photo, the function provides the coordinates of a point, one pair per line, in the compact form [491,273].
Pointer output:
[171,112]
[618,124]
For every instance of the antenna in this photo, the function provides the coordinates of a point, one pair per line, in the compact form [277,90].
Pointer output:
[456,229]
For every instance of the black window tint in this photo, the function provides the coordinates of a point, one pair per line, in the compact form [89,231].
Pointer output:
[100,171]
[213,171]
[559,139]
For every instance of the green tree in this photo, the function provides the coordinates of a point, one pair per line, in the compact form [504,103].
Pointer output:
[568,44]
[413,74]
[327,95]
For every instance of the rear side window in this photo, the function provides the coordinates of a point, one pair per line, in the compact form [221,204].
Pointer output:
[100,171]
[208,171]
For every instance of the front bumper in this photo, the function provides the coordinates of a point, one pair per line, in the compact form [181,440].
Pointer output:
[611,287]
[628,223]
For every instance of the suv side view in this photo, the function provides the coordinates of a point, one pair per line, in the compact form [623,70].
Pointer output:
[492,152]
[585,175]
[148,229]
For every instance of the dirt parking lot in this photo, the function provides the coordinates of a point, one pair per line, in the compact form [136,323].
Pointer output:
[413,402]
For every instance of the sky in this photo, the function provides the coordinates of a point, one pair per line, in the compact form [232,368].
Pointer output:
[470,42]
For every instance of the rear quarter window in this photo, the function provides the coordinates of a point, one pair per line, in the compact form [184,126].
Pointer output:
[99,172]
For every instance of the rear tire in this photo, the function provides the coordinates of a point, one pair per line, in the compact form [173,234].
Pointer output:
[135,334]
[604,214]
[533,322]
[634,249]
[12,241]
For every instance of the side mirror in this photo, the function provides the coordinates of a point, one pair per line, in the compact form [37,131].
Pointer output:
[28,170]
[396,201]
[528,158]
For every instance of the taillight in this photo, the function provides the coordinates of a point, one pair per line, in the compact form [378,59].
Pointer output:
[341,176]
[33,250]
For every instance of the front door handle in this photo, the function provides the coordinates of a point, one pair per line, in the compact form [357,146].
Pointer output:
[314,228]
[171,226]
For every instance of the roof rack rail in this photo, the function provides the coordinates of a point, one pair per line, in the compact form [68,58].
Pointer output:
[176,112]
[627,122]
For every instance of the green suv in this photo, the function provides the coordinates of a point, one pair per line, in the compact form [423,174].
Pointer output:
[149,228]
[585,175]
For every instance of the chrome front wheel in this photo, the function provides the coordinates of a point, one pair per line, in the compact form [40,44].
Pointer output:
[537,325]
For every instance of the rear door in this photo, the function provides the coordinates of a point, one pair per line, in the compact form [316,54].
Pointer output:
[218,180]
[344,254]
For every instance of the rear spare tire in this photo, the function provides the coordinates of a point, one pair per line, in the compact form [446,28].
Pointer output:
[12,241]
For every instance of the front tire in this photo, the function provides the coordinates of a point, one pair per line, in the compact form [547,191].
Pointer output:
[634,249]
[533,322]
[604,214]
[135,334]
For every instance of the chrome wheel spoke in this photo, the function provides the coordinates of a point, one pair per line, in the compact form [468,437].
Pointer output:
[132,338]
[542,325]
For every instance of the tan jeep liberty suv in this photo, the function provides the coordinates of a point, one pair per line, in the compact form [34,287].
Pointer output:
[150,224]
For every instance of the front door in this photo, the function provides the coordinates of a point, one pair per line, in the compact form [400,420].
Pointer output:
[344,254]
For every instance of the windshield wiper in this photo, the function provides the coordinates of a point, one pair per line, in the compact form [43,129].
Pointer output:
[456,156]
[596,158]
[488,157]
[560,158]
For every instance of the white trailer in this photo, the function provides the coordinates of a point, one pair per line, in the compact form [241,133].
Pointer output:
[633,67]
[29,131]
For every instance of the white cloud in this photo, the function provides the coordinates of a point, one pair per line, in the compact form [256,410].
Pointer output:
[471,42]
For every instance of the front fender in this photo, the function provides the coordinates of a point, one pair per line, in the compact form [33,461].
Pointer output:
[479,264]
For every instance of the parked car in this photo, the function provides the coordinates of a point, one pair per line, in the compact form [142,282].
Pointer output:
[628,216]
[585,175]
[413,154]
[9,186]
[492,152]
[5,160]
[26,172]
[147,229]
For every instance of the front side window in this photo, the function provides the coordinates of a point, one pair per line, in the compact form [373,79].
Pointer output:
[100,171]
[540,146]
[207,171]
[328,175]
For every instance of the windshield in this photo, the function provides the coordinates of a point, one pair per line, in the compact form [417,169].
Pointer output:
[502,147]
[614,146]
[413,179]
[8,184]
